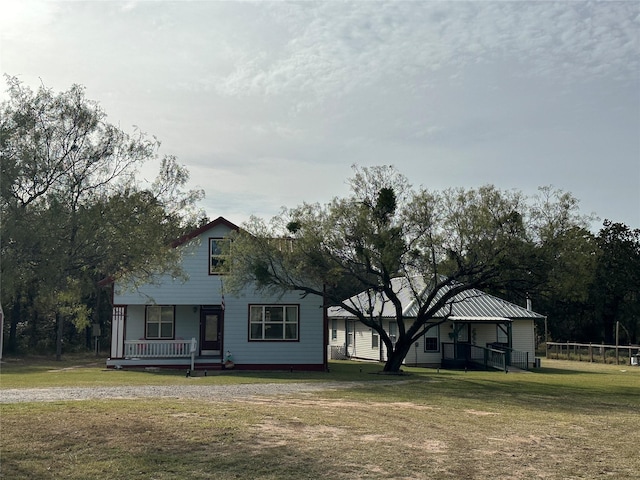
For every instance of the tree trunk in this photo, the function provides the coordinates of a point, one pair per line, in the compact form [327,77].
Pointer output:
[12,345]
[609,316]
[395,359]
[60,320]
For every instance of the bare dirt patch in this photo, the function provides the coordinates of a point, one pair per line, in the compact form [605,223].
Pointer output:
[480,413]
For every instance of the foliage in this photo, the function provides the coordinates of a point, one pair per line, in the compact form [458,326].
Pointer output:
[616,288]
[445,243]
[73,211]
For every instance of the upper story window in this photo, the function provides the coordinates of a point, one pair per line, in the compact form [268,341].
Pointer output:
[218,251]
[273,322]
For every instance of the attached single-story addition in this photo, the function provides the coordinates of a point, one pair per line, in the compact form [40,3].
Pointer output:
[478,328]
[195,324]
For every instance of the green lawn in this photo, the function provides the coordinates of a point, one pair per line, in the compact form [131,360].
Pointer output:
[87,371]
[567,420]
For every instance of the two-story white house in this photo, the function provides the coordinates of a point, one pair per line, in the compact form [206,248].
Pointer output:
[195,324]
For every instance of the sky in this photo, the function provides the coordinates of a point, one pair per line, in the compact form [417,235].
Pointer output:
[269,104]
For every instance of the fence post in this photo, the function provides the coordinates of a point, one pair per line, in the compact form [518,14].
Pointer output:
[590,352]
[546,339]
[617,352]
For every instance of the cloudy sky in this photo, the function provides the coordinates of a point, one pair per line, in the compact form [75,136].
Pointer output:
[270,103]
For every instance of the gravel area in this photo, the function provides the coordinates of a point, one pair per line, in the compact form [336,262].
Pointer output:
[222,393]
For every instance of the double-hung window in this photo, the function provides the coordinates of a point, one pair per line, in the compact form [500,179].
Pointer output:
[432,339]
[159,322]
[375,339]
[274,322]
[218,252]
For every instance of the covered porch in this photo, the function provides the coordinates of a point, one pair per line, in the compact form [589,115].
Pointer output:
[181,353]
[465,348]
[464,355]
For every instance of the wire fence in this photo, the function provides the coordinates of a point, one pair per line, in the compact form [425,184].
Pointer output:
[594,352]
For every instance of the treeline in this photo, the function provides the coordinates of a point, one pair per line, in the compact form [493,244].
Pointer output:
[586,283]
[74,211]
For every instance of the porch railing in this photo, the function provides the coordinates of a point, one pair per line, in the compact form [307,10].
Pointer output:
[486,357]
[161,349]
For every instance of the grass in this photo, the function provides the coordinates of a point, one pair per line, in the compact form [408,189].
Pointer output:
[567,420]
[87,371]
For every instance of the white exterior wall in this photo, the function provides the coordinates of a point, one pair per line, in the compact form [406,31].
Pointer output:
[484,333]
[430,357]
[362,346]
[309,349]
[201,288]
[524,338]
[340,339]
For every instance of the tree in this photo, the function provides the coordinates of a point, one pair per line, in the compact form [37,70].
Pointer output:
[616,289]
[73,211]
[445,242]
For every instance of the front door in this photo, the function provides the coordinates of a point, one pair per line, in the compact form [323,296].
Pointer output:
[210,330]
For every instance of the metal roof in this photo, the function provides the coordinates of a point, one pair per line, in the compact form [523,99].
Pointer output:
[469,305]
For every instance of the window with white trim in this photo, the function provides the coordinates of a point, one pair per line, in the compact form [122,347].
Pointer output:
[273,322]
[334,329]
[432,339]
[159,322]
[375,339]
[218,252]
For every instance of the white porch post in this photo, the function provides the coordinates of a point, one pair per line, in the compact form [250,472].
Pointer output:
[193,349]
[117,331]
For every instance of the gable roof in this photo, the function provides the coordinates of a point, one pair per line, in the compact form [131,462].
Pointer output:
[198,231]
[184,239]
[469,305]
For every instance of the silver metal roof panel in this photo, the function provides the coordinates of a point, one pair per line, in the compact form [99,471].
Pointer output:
[472,304]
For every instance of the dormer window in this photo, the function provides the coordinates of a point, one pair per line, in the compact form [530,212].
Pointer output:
[218,251]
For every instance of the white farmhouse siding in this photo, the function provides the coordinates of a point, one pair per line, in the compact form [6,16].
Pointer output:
[337,336]
[308,349]
[484,334]
[187,326]
[199,288]
[362,347]
[478,318]
[202,291]
[524,338]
